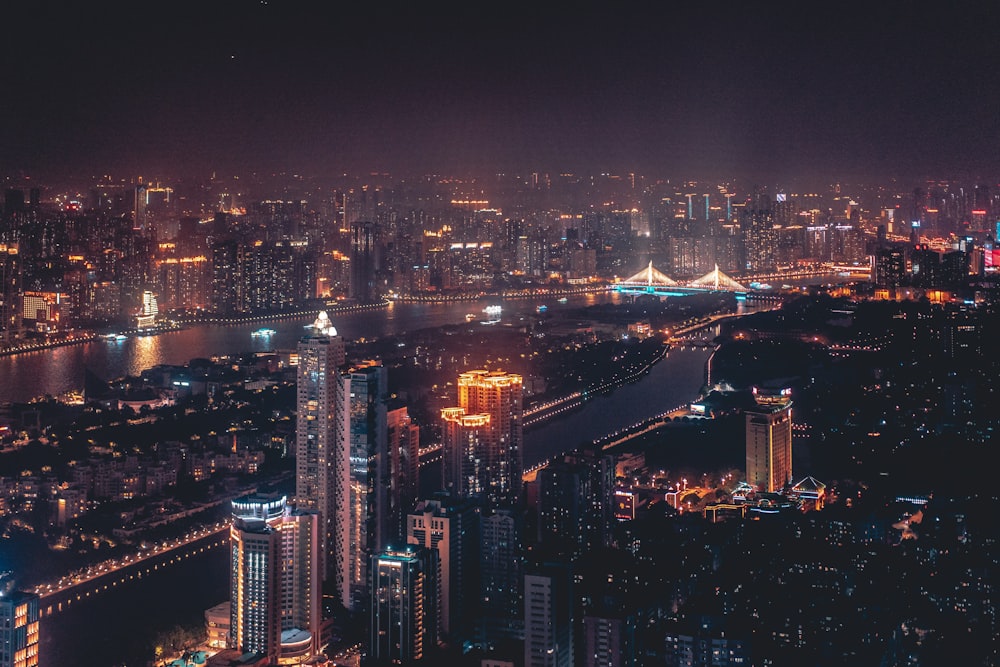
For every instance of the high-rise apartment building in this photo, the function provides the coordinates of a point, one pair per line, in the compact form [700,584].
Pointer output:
[769,444]
[321,354]
[19,629]
[450,526]
[275,582]
[759,235]
[364,261]
[224,255]
[501,571]
[548,616]
[609,641]
[404,468]
[403,607]
[361,526]
[10,291]
[483,447]
[575,502]
[890,268]
[463,437]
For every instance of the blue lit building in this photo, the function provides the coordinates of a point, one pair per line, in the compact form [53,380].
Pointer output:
[276,575]
[405,587]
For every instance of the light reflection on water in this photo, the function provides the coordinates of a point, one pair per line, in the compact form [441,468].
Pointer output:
[146,353]
[61,369]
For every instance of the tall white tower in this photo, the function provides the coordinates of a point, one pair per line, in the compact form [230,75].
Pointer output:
[321,354]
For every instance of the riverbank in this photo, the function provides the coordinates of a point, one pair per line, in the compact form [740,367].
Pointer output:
[533,293]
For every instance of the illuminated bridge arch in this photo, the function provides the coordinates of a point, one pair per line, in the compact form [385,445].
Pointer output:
[650,277]
[718,281]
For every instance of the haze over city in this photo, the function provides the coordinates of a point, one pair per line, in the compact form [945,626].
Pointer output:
[499,335]
[782,92]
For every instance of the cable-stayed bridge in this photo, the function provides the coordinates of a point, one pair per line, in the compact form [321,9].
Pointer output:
[653,281]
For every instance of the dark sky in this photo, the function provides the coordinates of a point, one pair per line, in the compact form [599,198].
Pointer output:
[768,90]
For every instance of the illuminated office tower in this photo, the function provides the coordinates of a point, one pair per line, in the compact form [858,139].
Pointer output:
[275,581]
[769,444]
[404,468]
[321,354]
[403,607]
[18,629]
[484,437]
[361,497]
[450,526]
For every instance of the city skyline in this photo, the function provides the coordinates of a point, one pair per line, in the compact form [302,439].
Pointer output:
[473,335]
[778,93]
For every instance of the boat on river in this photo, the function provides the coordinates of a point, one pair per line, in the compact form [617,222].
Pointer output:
[263,332]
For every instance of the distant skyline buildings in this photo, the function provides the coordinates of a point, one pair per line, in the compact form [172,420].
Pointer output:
[82,261]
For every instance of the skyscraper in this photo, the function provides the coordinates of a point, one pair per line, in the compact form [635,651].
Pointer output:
[464,437]
[10,291]
[275,580]
[18,629]
[404,468]
[361,496]
[321,354]
[403,608]
[548,616]
[575,501]
[890,268]
[769,444]
[483,455]
[501,567]
[364,261]
[759,235]
[451,527]
[609,640]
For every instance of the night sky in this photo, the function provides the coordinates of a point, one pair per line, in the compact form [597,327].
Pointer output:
[763,90]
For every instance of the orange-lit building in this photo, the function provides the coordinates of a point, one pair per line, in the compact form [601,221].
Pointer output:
[19,629]
[769,445]
[484,437]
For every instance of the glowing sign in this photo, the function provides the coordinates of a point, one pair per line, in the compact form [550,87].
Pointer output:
[624,505]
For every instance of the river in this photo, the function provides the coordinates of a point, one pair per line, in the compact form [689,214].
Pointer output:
[118,628]
[58,370]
